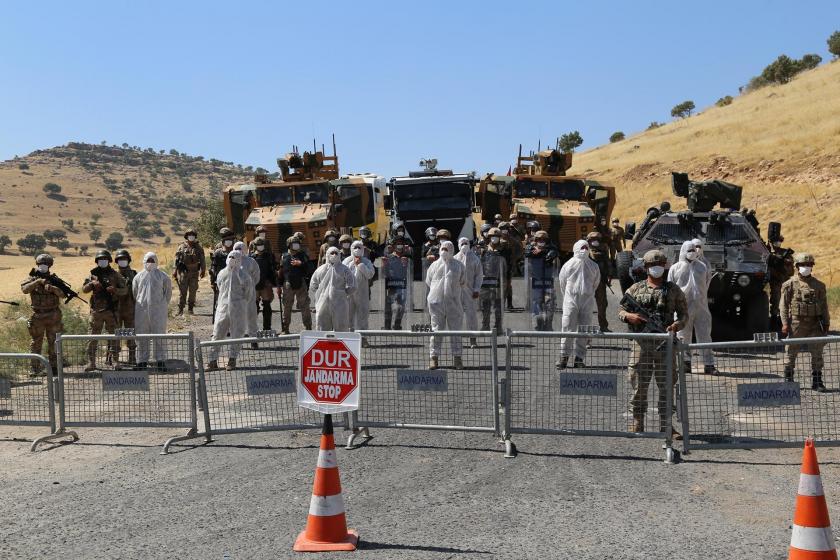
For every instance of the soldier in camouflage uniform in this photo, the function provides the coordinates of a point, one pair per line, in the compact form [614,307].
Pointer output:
[125,303]
[804,309]
[514,252]
[297,270]
[190,266]
[617,241]
[262,233]
[663,299]
[106,287]
[218,260]
[46,313]
[330,240]
[598,253]
[780,269]
[344,243]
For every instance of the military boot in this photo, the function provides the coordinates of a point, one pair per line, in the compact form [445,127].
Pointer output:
[266,315]
[638,425]
[190,310]
[91,364]
[788,374]
[180,310]
[132,356]
[213,364]
[35,368]
[433,362]
[578,362]
[457,363]
[562,363]
[711,370]
[473,342]
[817,382]
[231,364]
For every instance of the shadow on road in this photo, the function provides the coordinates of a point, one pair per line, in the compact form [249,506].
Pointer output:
[367,545]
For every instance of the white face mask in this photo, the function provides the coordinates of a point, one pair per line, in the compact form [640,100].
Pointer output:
[102,263]
[691,255]
[357,252]
[398,248]
[150,266]
[400,232]
[191,238]
[656,271]
[805,270]
[494,240]
[227,242]
[698,250]
[540,243]
[332,258]
[464,247]
[295,246]
[43,268]
[262,235]
[583,252]
[260,248]
[594,243]
[331,239]
[122,263]
[364,235]
[431,236]
[445,255]
[345,245]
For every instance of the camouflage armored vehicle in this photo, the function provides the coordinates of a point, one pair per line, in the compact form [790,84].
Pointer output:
[432,197]
[731,244]
[567,207]
[310,198]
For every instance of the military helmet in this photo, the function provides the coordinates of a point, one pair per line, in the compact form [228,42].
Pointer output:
[542,234]
[803,258]
[494,231]
[292,239]
[655,256]
[615,221]
[512,217]
[44,258]
[665,206]
[226,232]
[261,229]
[431,231]
[364,230]
[299,235]
[330,233]
[190,232]
[504,225]
[498,217]
[485,228]
[444,233]
[103,254]
[593,236]
[533,224]
[123,254]
[346,238]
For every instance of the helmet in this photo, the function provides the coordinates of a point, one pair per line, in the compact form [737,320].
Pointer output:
[533,225]
[655,256]
[299,235]
[103,254]
[346,238]
[44,258]
[803,258]
[485,228]
[444,234]
[504,225]
[330,233]
[398,224]
[226,232]
[190,232]
[292,239]
[430,232]
[261,229]
[498,217]
[593,236]
[542,234]
[615,221]
[123,254]
[512,217]
[665,206]
[494,231]
[364,230]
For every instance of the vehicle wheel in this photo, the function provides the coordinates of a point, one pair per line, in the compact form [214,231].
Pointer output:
[757,317]
[623,264]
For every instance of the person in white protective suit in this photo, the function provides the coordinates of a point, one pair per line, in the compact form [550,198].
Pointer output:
[698,246]
[363,271]
[252,269]
[445,279]
[472,285]
[152,290]
[692,276]
[236,297]
[330,289]
[577,282]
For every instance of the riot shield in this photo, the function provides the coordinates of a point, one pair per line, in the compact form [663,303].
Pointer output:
[540,292]
[492,295]
[396,295]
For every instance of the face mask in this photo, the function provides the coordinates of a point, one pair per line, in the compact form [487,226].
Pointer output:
[295,246]
[398,248]
[262,236]
[122,263]
[102,263]
[691,255]
[777,244]
[444,254]
[345,245]
[43,268]
[191,238]
[805,270]
[656,271]
[364,235]
[331,239]
[431,236]
[400,232]
[698,250]
[594,243]
[464,247]
[260,248]
[494,240]
[332,258]
[540,243]
[357,252]
[228,242]
[150,266]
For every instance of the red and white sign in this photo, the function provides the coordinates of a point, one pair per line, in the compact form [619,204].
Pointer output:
[329,371]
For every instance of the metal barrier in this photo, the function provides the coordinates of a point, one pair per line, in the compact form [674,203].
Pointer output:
[400,391]
[260,394]
[749,404]
[100,387]
[595,397]
[28,394]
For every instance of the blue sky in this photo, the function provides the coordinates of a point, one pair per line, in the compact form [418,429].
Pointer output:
[465,82]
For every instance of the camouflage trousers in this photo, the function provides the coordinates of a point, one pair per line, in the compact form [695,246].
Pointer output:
[646,364]
[805,327]
[125,320]
[775,296]
[98,321]
[290,296]
[41,324]
[491,301]
[187,286]
[601,304]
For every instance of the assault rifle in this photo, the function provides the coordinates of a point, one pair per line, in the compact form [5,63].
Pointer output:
[653,323]
[12,303]
[106,283]
[65,288]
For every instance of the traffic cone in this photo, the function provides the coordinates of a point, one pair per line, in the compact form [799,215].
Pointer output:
[326,527]
[812,538]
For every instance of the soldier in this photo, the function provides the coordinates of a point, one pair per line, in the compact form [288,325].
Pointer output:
[371,252]
[497,219]
[106,286]
[330,240]
[780,269]
[662,299]
[267,281]
[262,233]
[598,253]
[125,304]
[190,266]
[541,255]
[46,313]
[804,309]
[512,256]
[484,235]
[218,261]
[531,230]
[516,239]
[494,270]
[345,241]
[617,241]
[296,271]
[431,245]
[395,268]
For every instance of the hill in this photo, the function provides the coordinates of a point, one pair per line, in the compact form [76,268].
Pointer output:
[144,194]
[781,143]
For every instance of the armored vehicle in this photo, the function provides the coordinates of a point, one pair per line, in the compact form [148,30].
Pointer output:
[567,207]
[432,197]
[731,244]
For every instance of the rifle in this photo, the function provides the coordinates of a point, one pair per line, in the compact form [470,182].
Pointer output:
[106,283]
[68,292]
[652,323]
[12,303]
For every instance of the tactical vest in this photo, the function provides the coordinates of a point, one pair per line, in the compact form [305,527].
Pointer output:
[804,301]
[42,300]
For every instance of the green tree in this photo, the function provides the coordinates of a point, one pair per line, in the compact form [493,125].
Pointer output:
[94,218]
[834,44]
[209,222]
[683,110]
[114,241]
[69,223]
[32,244]
[616,137]
[95,234]
[53,236]
[569,141]
[62,245]
[653,125]
[5,241]
[809,62]
[52,188]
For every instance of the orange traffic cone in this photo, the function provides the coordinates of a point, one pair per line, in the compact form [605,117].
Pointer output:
[812,538]
[326,527]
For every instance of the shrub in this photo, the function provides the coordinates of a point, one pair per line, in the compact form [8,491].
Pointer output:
[23,166]
[95,235]
[14,333]
[724,101]
[114,241]
[5,241]
[32,244]
[62,245]
[52,188]
[653,125]
[683,110]
[69,223]
[53,236]
[616,137]
[834,44]
[209,222]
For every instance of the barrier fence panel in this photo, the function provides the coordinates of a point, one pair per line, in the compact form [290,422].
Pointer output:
[750,404]
[101,387]
[597,395]
[399,390]
[28,394]
[260,393]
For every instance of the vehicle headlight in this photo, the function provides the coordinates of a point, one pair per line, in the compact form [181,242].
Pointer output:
[743,280]
[736,297]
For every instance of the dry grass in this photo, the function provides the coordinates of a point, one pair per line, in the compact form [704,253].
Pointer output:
[781,143]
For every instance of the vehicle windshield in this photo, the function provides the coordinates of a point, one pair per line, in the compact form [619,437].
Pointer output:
[430,196]
[531,189]
[270,196]
[313,194]
[567,190]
